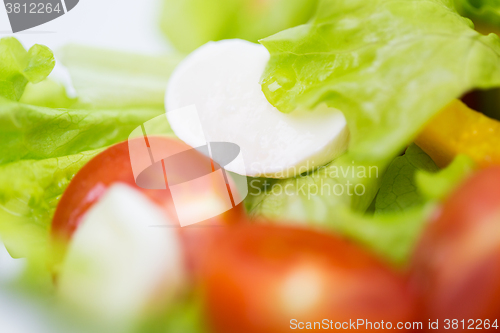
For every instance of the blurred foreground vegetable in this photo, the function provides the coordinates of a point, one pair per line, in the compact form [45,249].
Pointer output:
[457,263]
[262,278]
[112,79]
[191,23]
[118,269]
[107,229]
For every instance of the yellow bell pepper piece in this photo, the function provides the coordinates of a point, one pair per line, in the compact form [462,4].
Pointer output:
[457,129]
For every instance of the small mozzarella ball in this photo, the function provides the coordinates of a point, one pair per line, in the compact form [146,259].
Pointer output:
[221,80]
[120,261]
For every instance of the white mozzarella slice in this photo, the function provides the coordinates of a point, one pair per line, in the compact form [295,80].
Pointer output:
[221,80]
[119,261]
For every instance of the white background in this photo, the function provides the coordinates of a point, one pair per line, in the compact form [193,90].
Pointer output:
[130,25]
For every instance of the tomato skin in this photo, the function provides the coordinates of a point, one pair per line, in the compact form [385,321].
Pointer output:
[91,182]
[198,239]
[457,263]
[113,165]
[259,278]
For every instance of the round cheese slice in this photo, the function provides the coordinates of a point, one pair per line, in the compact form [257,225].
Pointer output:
[214,95]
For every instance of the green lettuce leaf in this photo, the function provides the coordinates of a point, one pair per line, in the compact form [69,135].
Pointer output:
[437,186]
[326,199]
[410,188]
[481,11]
[191,23]
[398,191]
[315,197]
[29,193]
[18,66]
[42,148]
[392,236]
[388,65]
[31,132]
[187,315]
[48,93]
[316,200]
[112,79]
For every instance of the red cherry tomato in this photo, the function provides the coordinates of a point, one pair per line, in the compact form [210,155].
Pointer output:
[268,279]
[113,165]
[457,263]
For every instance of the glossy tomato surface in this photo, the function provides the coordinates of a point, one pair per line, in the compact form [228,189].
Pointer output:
[457,263]
[270,279]
[114,165]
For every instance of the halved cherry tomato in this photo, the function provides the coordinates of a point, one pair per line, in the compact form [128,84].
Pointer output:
[270,279]
[457,263]
[114,165]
